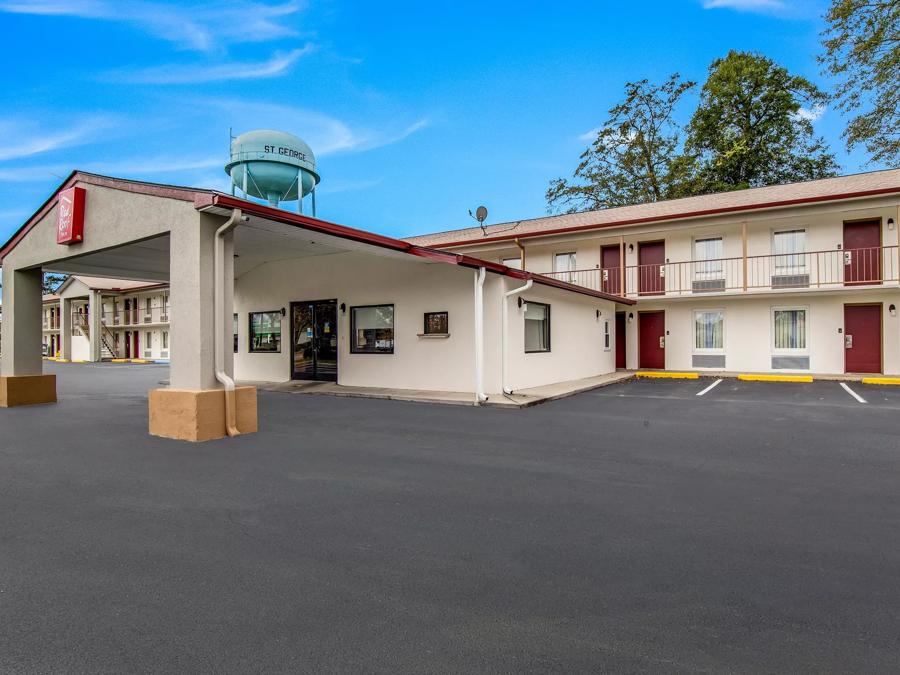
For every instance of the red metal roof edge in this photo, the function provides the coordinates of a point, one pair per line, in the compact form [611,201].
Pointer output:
[124,184]
[206,200]
[677,216]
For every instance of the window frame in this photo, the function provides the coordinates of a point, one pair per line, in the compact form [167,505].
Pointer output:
[353,348]
[516,258]
[787,269]
[718,351]
[549,328]
[250,349]
[236,323]
[796,351]
[425,330]
[607,340]
[701,274]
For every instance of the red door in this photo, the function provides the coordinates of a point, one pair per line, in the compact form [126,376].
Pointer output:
[620,339]
[135,335]
[862,338]
[652,339]
[862,253]
[612,274]
[127,344]
[651,258]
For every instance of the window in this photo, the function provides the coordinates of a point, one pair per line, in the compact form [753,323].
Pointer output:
[789,248]
[708,254]
[709,330]
[265,331]
[606,335]
[372,329]
[148,340]
[165,339]
[437,323]
[789,329]
[234,328]
[537,327]
[565,262]
[148,306]
[514,263]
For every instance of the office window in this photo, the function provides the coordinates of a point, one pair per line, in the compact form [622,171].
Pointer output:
[789,329]
[537,327]
[372,329]
[265,331]
[708,254]
[514,263]
[234,328]
[789,247]
[606,341]
[709,330]
[437,323]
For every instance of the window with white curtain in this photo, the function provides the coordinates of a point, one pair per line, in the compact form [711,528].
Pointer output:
[514,263]
[789,247]
[709,330]
[565,262]
[790,329]
[708,254]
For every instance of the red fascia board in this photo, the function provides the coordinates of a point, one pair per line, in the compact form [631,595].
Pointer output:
[202,201]
[676,216]
[102,181]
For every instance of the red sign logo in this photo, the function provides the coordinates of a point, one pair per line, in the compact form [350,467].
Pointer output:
[70,216]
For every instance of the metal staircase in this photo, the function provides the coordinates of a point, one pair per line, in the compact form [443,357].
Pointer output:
[107,339]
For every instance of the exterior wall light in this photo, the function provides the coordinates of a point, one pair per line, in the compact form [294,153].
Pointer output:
[630,317]
[631,248]
[598,313]
[283,311]
[343,308]
[890,223]
[893,310]
[521,302]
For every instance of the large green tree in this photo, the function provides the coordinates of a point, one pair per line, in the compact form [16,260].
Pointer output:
[862,51]
[630,160]
[753,127]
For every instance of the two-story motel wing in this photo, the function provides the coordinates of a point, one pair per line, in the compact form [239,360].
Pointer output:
[800,277]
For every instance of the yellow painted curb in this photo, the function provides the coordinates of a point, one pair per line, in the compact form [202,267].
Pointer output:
[118,360]
[139,361]
[881,380]
[746,377]
[667,375]
[78,361]
[61,360]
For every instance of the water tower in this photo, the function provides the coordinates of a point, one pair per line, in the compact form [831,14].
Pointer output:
[274,166]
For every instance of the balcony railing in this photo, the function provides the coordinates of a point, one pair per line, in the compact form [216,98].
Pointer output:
[777,272]
[136,317]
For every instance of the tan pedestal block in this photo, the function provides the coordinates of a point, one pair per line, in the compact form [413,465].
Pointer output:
[27,390]
[192,415]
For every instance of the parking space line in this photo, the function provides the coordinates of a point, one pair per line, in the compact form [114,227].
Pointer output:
[710,387]
[852,393]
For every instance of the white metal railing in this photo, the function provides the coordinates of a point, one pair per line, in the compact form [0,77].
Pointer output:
[136,316]
[816,269]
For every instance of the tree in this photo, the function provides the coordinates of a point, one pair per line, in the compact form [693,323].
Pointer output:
[52,281]
[631,159]
[753,127]
[862,50]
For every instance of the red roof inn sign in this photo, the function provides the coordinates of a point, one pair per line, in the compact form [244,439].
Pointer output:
[70,216]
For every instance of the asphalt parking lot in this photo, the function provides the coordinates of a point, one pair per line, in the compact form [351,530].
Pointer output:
[640,528]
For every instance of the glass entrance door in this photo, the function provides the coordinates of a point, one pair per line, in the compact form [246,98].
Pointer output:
[314,340]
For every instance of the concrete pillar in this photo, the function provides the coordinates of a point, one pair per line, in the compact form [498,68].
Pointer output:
[21,366]
[95,313]
[65,329]
[193,407]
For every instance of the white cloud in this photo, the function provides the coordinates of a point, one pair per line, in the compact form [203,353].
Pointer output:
[278,65]
[326,135]
[197,25]
[811,114]
[589,136]
[746,5]
[25,139]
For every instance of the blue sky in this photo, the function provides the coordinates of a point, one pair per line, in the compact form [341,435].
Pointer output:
[417,111]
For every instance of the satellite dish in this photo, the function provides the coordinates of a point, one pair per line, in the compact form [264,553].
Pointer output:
[481,214]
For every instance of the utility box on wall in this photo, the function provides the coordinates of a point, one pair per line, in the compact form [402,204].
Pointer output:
[70,216]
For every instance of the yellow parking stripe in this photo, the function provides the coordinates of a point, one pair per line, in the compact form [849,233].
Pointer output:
[881,380]
[666,374]
[750,377]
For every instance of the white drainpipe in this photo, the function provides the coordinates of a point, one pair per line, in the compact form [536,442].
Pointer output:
[479,336]
[505,331]
[219,334]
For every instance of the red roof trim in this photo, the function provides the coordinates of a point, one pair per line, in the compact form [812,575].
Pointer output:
[169,191]
[203,201]
[677,216]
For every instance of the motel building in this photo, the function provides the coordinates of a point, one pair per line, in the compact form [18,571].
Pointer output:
[798,278]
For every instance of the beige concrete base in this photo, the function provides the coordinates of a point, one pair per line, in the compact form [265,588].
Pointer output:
[27,390]
[192,415]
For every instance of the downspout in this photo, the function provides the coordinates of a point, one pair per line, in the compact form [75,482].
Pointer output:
[480,396]
[503,334]
[521,253]
[219,334]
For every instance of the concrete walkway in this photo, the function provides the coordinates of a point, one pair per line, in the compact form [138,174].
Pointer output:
[522,398]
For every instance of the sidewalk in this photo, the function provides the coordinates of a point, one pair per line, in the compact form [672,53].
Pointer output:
[522,398]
